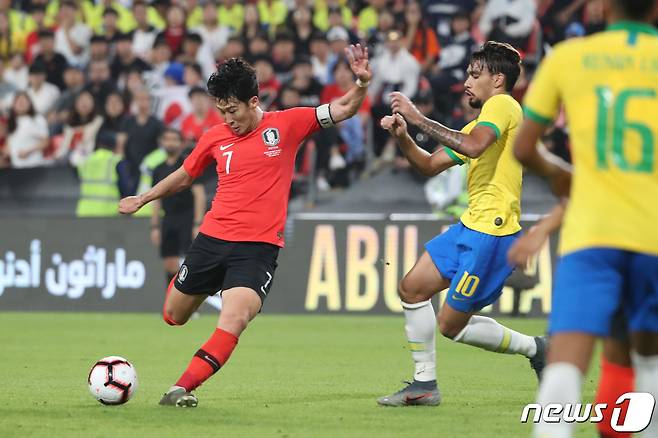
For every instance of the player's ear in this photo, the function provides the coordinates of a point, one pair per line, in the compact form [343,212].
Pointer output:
[254,102]
[499,80]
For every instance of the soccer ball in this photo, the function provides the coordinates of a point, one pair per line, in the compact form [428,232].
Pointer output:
[112,380]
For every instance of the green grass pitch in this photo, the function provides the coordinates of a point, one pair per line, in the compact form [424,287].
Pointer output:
[291,376]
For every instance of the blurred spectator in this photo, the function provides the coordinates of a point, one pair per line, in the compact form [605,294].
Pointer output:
[38,14]
[28,133]
[259,45]
[99,49]
[509,21]
[53,62]
[195,50]
[336,20]
[143,37]
[268,85]
[100,181]
[74,82]
[232,14]
[193,12]
[5,159]
[42,94]
[301,24]
[97,16]
[394,70]
[193,76]
[320,57]
[338,40]
[160,60]
[100,83]
[234,48]
[172,102]
[114,115]
[378,35]
[424,101]
[72,37]
[214,34]
[303,81]
[594,17]
[202,117]
[80,131]
[272,13]
[420,39]
[7,91]
[283,56]
[11,40]
[134,82]
[440,14]
[157,13]
[139,134]
[453,62]
[252,26]
[110,26]
[326,7]
[174,33]
[17,72]
[369,16]
[125,59]
[556,15]
[17,20]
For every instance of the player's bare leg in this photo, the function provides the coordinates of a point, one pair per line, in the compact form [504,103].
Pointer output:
[568,360]
[179,307]
[416,289]
[487,333]
[645,363]
[239,306]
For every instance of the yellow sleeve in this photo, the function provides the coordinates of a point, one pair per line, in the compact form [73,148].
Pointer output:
[542,101]
[497,113]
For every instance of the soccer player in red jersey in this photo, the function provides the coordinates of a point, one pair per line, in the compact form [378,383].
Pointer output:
[239,240]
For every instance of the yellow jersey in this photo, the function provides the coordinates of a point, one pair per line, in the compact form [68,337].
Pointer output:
[608,84]
[494,178]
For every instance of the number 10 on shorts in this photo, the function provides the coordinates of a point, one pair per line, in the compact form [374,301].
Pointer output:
[467,284]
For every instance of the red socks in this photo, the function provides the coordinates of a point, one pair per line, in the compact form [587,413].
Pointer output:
[615,381]
[208,360]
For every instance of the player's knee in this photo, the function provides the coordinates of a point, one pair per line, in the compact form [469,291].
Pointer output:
[171,318]
[448,329]
[235,321]
[409,292]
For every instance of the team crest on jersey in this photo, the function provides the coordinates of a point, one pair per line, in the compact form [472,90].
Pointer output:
[271,137]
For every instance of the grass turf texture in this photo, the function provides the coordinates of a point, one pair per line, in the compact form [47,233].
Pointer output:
[291,376]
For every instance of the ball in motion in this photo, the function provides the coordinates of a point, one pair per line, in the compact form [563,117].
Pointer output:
[112,380]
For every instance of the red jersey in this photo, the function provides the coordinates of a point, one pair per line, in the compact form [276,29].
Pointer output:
[255,172]
[192,129]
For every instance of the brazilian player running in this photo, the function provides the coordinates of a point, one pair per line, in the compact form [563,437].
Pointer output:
[239,240]
[470,258]
[608,86]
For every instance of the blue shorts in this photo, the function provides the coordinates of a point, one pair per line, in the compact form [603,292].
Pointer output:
[591,284]
[474,262]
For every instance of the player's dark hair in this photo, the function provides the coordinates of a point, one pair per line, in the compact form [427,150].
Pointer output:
[233,78]
[638,10]
[499,58]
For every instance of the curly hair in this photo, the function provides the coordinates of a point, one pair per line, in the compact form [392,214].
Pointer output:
[234,78]
[499,58]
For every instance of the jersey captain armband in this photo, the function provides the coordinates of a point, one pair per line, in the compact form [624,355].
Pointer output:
[323,115]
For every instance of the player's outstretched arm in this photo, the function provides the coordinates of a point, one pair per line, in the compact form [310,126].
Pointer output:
[425,163]
[533,155]
[347,105]
[472,145]
[174,183]
[530,243]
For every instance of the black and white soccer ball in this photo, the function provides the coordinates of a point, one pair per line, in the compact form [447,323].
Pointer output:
[112,380]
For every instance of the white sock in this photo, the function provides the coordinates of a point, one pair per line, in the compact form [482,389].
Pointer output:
[486,333]
[561,383]
[421,333]
[646,380]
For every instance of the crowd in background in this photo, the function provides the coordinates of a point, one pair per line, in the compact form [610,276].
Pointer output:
[75,74]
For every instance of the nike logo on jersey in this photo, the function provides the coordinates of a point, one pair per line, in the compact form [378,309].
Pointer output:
[223,148]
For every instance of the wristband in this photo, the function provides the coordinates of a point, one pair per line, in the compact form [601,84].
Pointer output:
[361,84]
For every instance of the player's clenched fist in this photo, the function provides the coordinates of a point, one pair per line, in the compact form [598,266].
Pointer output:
[395,124]
[402,104]
[130,204]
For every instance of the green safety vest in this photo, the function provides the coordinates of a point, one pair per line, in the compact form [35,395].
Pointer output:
[149,163]
[99,188]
